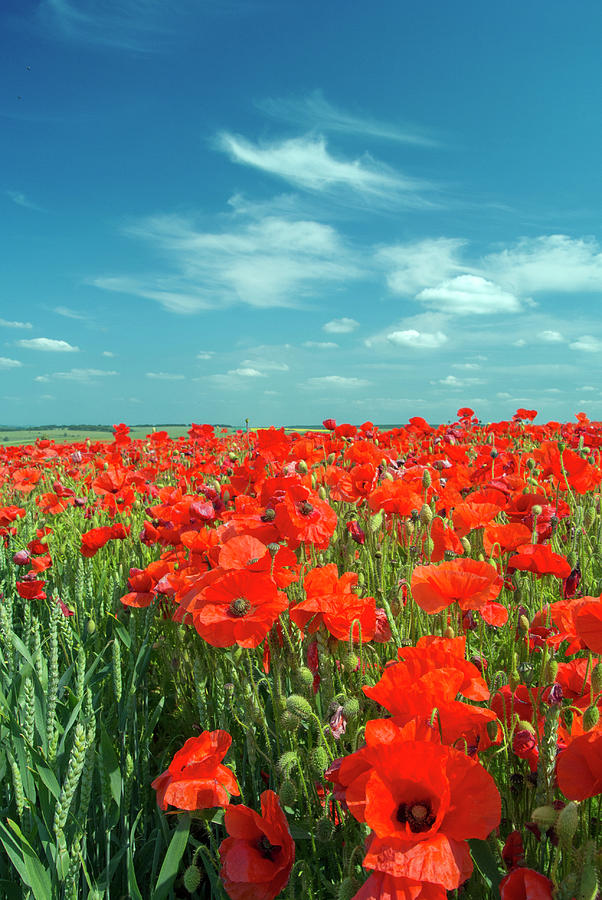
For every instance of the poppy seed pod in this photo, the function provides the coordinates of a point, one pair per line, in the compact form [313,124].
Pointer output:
[544,817]
[591,717]
[597,678]
[426,515]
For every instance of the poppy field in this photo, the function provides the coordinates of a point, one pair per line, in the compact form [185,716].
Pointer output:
[343,663]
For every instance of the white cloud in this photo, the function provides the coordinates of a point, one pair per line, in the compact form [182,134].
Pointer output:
[452,381]
[247,372]
[552,337]
[307,163]
[587,387]
[69,313]
[336,381]
[469,295]
[340,326]
[587,343]
[320,345]
[412,267]
[77,375]
[165,376]
[205,354]
[554,262]
[48,345]
[265,263]
[420,340]
[466,366]
[108,353]
[315,112]
[520,342]
[5,324]
[6,363]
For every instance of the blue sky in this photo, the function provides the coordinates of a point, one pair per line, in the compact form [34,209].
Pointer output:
[287,211]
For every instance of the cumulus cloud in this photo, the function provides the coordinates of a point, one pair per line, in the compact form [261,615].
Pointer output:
[108,353]
[420,340]
[165,376]
[552,337]
[6,363]
[47,344]
[307,163]
[469,295]
[587,343]
[414,266]
[268,262]
[247,372]
[336,381]
[340,326]
[320,345]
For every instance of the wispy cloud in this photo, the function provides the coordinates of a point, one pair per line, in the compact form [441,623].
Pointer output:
[340,326]
[587,343]
[336,381]
[320,345]
[81,375]
[21,199]
[6,363]
[136,25]
[307,163]
[70,313]
[47,345]
[264,263]
[165,376]
[5,324]
[551,337]
[315,112]
[205,354]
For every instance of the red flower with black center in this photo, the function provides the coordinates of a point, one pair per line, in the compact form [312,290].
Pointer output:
[468,581]
[239,608]
[259,853]
[331,601]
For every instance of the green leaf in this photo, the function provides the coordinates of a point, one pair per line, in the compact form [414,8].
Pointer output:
[25,861]
[111,765]
[173,857]
[134,890]
[486,863]
[123,633]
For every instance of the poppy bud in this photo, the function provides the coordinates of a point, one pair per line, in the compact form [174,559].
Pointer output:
[318,761]
[426,479]
[348,888]
[572,559]
[351,708]
[493,453]
[426,515]
[530,464]
[289,721]
[567,822]
[299,706]
[302,467]
[588,517]
[324,830]
[287,762]
[287,793]
[192,879]
[551,671]
[351,661]
[597,678]
[591,717]
[523,625]
[544,817]
[466,545]
[91,626]
[322,492]
[304,677]
[449,632]
[331,458]
[536,510]
[492,729]
[21,557]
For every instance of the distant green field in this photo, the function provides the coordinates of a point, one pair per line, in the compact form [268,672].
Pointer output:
[22,436]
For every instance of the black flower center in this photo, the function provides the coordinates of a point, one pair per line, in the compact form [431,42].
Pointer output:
[239,607]
[418,815]
[267,850]
[306,508]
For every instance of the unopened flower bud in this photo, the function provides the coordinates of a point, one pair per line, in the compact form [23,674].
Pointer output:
[449,632]
[426,479]
[299,706]
[588,517]
[351,708]
[426,515]
[551,671]
[287,793]
[567,822]
[523,625]
[514,680]
[466,545]
[302,467]
[572,559]
[91,626]
[324,830]
[305,677]
[544,817]
[591,717]
[348,888]
[493,729]
[192,879]
[322,492]
[318,761]
[351,661]
[21,557]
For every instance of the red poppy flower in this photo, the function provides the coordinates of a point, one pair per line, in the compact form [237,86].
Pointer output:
[195,778]
[258,856]
[386,887]
[470,582]
[394,497]
[331,601]
[588,624]
[303,518]
[579,767]
[539,559]
[93,540]
[468,516]
[31,590]
[417,797]
[444,539]
[239,608]
[525,884]
[8,514]
[437,653]
[513,853]
[499,539]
